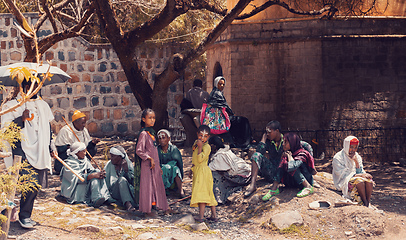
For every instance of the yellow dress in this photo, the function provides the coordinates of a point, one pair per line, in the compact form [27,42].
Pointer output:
[202,188]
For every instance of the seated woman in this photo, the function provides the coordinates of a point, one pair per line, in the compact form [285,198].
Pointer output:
[217,98]
[230,173]
[171,162]
[240,134]
[296,167]
[120,178]
[349,175]
[93,191]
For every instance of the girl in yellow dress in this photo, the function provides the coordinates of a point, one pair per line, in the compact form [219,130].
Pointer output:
[202,188]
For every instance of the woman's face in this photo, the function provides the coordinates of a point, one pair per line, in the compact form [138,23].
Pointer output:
[285,145]
[163,139]
[149,119]
[353,149]
[221,84]
[116,159]
[81,154]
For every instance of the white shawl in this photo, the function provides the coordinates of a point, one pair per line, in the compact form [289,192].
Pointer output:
[36,134]
[225,160]
[344,167]
[66,136]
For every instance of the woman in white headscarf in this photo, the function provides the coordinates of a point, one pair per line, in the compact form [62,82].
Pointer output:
[217,98]
[171,162]
[120,178]
[93,191]
[349,175]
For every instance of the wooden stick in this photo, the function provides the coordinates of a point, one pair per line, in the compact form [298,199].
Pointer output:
[180,200]
[94,161]
[70,169]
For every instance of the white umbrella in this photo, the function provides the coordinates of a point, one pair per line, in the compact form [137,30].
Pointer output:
[59,76]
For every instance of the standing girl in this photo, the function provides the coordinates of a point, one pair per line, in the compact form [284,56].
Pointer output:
[151,187]
[202,188]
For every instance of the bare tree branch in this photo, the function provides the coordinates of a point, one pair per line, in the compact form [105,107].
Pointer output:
[215,33]
[74,31]
[328,8]
[53,9]
[51,18]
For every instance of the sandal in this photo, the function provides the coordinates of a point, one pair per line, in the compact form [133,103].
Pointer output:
[305,192]
[199,220]
[212,219]
[270,194]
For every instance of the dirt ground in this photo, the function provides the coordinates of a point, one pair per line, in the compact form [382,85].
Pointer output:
[240,218]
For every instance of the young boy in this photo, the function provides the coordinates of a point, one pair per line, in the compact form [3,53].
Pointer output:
[202,188]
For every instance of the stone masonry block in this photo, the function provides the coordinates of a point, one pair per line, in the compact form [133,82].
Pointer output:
[110,102]
[74,78]
[92,127]
[16,56]
[92,68]
[89,57]
[105,89]
[79,103]
[118,114]
[63,103]
[121,77]
[125,101]
[103,67]
[130,114]
[71,56]
[19,43]
[64,67]
[95,101]
[98,114]
[49,55]
[58,116]
[107,127]
[56,90]
[122,127]
[86,77]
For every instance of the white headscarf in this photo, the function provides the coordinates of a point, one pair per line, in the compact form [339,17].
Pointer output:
[75,148]
[164,131]
[217,80]
[344,167]
[119,151]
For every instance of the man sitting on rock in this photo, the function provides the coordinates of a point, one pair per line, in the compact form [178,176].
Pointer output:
[66,137]
[267,167]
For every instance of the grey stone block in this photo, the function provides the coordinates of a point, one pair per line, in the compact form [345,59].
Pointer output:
[122,127]
[110,102]
[79,103]
[107,127]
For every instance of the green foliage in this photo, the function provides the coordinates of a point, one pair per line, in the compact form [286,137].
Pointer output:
[10,134]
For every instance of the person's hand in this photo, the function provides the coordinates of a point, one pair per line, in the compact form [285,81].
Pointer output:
[368,176]
[26,114]
[152,163]
[124,166]
[54,154]
[199,143]
[95,140]
[263,139]
[102,174]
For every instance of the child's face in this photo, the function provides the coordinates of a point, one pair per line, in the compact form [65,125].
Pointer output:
[221,84]
[149,119]
[203,136]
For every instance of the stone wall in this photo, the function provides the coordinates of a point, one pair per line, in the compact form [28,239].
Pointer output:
[315,74]
[98,86]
